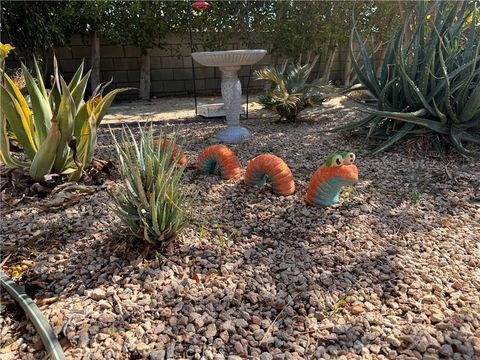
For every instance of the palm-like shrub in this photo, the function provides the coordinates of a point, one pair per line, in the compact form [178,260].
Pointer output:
[289,93]
[150,202]
[428,87]
[58,132]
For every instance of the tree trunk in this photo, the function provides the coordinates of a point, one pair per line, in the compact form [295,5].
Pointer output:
[95,75]
[329,64]
[347,69]
[145,75]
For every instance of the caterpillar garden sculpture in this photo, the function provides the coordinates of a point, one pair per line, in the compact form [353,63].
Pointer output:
[164,143]
[338,171]
[219,159]
[268,166]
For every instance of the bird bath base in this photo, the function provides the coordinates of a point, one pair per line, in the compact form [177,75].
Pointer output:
[230,63]
[233,134]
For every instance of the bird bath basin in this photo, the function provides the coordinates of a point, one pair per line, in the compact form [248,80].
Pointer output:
[229,62]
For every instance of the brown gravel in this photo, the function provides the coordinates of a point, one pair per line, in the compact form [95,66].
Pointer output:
[389,273]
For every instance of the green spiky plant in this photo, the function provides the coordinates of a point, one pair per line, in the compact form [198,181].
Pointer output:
[150,202]
[289,93]
[428,87]
[58,131]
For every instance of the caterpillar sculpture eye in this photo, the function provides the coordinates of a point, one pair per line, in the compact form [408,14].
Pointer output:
[349,159]
[337,160]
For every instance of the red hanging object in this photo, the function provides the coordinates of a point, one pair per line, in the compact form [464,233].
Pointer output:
[200,5]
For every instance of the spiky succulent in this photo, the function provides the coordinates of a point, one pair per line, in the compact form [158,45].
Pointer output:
[150,201]
[58,132]
[429,86]
[290,93]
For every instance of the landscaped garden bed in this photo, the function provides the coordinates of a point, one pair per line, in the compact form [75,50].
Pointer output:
[390,272]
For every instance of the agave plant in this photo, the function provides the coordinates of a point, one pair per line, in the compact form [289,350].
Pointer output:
[289,93]
[58,132]
[428,87]
[150,202]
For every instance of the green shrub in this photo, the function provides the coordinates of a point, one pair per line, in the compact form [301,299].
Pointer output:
[428,87]
[58,131]
[150,202]
[289,93]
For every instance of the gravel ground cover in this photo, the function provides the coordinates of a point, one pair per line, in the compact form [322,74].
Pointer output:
[392,272]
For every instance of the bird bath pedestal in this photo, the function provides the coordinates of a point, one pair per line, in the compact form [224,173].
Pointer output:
[229,63]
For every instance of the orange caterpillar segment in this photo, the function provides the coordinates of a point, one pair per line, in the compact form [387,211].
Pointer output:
[164,144]
[219,159]
[326,183]
[271,167]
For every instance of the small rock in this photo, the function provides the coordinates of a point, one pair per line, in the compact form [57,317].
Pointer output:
[141,346]
[171,350]
[392,340]
[241,323]
[98,294]
[437,317]
[211,330]
[83,339]
[422,345]
[256,320]
[107,317]
[258,334]
[239,348]
[357,309]
[266,356]
[157,355]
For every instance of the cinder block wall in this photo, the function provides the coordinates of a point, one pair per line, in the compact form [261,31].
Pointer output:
[171,67]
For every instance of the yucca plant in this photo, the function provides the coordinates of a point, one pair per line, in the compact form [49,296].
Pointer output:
[289,93]
[428,87]
[150,202]
[58,133]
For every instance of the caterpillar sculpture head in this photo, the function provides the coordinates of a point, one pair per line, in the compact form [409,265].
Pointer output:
[338,171]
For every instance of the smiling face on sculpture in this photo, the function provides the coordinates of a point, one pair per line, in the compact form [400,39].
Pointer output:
[338,171]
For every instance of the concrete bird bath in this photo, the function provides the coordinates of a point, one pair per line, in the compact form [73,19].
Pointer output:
[229,63]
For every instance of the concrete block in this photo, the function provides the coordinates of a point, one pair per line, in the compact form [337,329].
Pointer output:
[155,62]
[156,51]
[112,51]
[63,53]
[69,65]
[175,86]
[203,72]
[162,74]
[118,76]
[133,75]
[199,85]
[171,62]
[182,74]
[126,63]
[132,51]
[215,110]
[156,88]
[81,52]
[106,64]
[212,84]
[187,62]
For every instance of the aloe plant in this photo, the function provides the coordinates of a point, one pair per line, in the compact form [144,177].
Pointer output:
[290,93]
[150,202]
[58,132]
[427,87]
